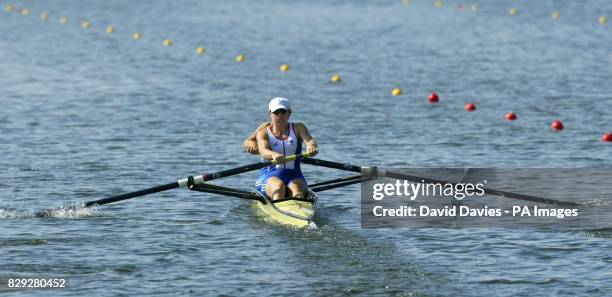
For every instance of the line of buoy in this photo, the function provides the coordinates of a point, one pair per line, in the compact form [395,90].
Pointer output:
[513,11]
[433,98]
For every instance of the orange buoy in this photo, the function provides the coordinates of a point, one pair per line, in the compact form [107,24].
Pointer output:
[607,137]
[470,107]
[433,98]
[511,116]
[556,125]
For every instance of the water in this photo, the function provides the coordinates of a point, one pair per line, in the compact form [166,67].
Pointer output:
[86,114]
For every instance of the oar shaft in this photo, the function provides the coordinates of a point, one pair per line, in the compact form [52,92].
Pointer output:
[183,182]
[129,195]
[334,165]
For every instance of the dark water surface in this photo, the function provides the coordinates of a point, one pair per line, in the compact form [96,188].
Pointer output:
[86,114]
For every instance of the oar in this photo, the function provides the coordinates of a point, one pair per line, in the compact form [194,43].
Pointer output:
[192,180]
[369,171]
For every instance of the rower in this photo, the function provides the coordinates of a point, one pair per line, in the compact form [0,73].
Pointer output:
[276,140]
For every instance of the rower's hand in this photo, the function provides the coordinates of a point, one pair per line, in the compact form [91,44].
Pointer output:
[251,147]
[278,158]
[312,150]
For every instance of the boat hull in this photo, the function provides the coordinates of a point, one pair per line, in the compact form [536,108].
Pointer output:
[296,213]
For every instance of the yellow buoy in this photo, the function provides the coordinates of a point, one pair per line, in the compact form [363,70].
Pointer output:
[25,12]
[396,92]
[439,3]
[555,15]
[110,29]
[136,36]
[63,20]
[284,67]
[200,50]
[167,42]
[335,78]
[9,8]
[513,11]
[475,7]
[603,19]
[85,25]
[44,16]
[240,58]
[406,2]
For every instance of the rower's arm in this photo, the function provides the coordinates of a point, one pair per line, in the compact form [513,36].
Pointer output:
[304,134]
[250,144]
[263,145]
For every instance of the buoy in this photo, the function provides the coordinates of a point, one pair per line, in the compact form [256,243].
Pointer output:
[406,2]
[335,78]
[555,15]
[556,125]
[44,16]
[85,25]
[167,42]
[433,98]
[603,19]
[439,3]
[474,7]
[200,50]
[396,92]
[25,12]
[284,67]
[511,116]
[470,107]
[240,58]
[607,137]
[63,20]
[110,29]
[513,11]
[136,36]
[8,8]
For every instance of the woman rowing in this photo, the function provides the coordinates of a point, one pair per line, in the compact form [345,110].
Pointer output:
[276,140]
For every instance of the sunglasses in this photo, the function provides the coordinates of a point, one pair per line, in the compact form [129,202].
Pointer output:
[280,111]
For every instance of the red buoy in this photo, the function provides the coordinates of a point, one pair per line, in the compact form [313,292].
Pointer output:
[470,107]
[511,116]
[433,98]
[607,137]
[556,125]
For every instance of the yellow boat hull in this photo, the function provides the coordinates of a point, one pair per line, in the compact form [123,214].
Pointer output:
[290,212]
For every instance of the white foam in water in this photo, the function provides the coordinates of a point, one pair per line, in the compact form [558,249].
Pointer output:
[11,214]
[72,211]
[68,212]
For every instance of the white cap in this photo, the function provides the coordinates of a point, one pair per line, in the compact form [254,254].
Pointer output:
[278,103]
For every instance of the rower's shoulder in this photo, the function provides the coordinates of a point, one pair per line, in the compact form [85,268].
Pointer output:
[299,125]
[263,125]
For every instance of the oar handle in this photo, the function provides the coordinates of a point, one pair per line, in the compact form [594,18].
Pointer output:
[293,158]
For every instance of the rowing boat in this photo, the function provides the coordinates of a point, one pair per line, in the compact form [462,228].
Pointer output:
[296,212]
